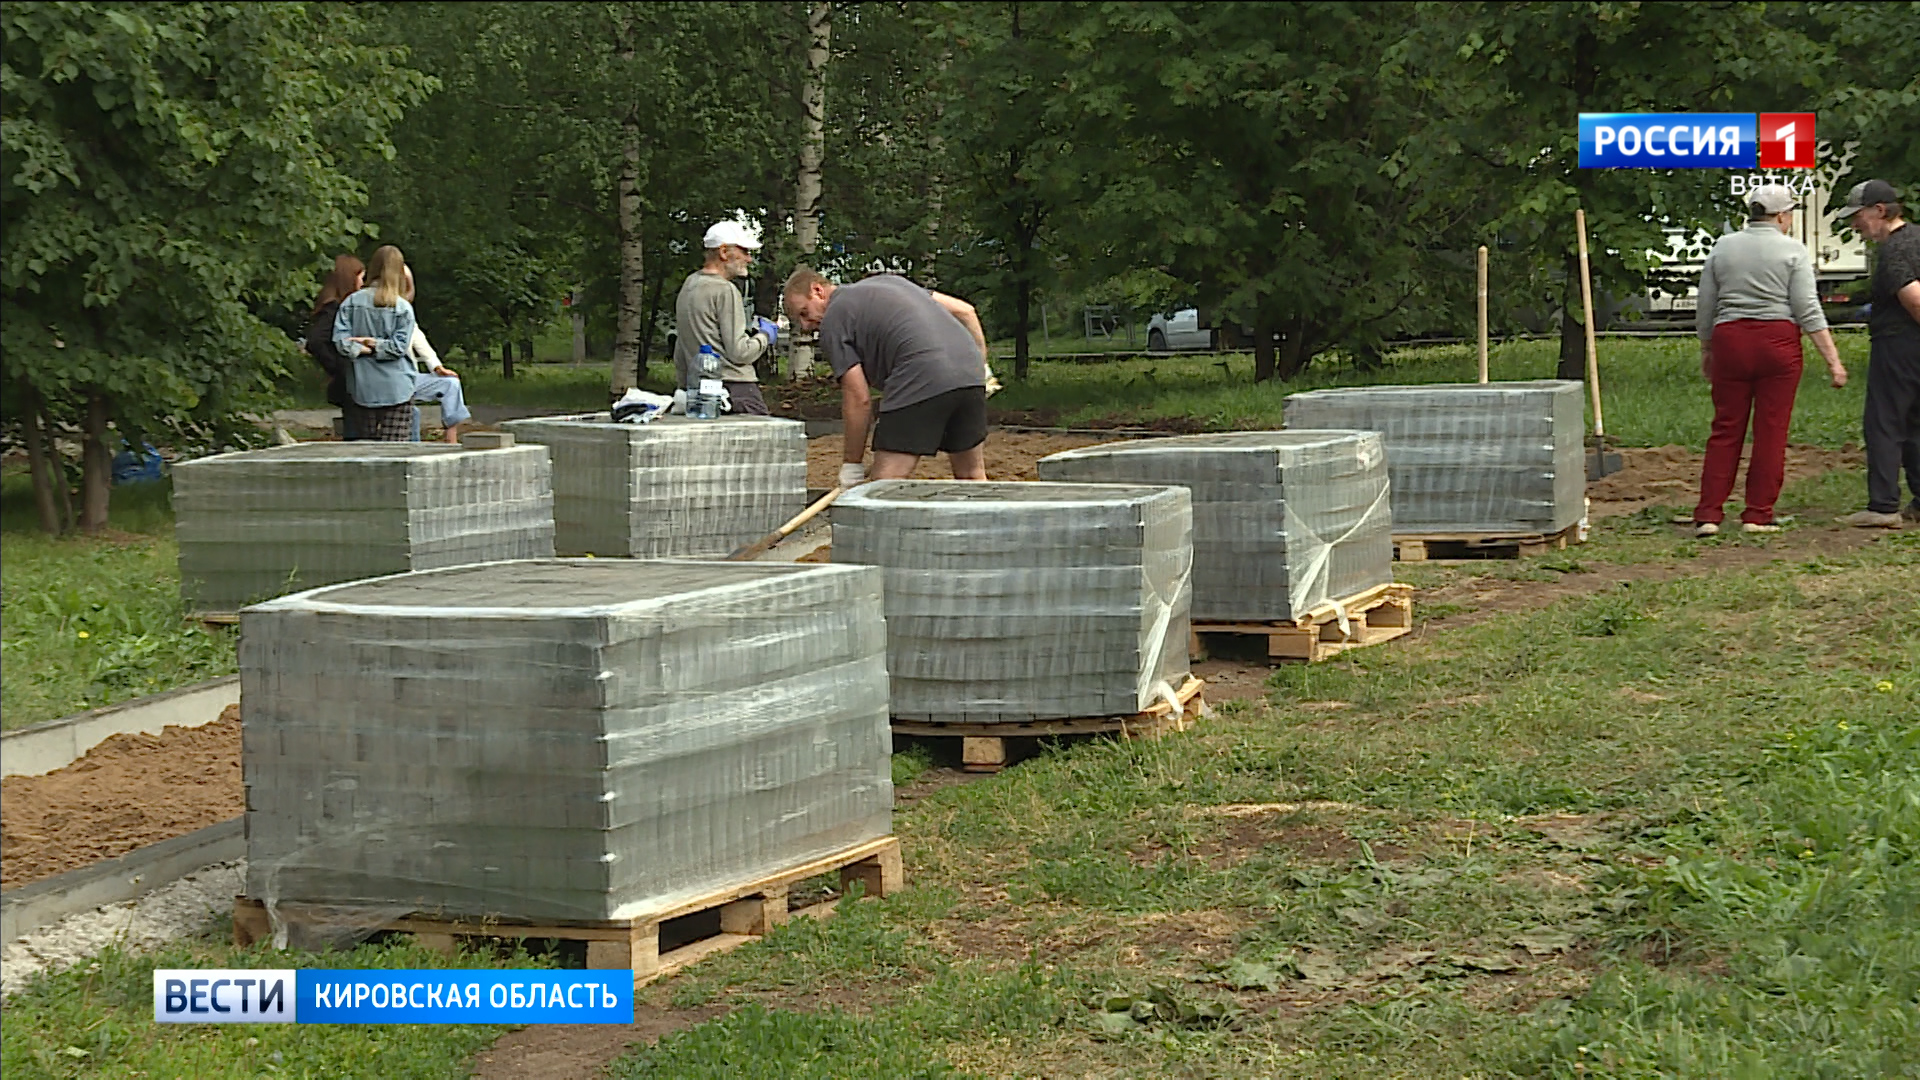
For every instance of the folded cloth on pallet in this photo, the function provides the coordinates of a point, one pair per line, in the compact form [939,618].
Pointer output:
[1012,602]
[673,486]
[1468,457]
[1283,521]
[561,739]
[260,523]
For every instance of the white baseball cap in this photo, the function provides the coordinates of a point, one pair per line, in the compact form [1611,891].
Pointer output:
[732,232]
[1773,198]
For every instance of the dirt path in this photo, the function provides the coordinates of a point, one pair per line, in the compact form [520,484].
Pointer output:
[1671,475]
[1010,456]
[129,791]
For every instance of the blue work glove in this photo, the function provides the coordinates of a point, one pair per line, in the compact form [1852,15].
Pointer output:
[770,329]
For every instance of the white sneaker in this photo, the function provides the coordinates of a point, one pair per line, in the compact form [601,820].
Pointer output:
[1751,527]
[1705,529]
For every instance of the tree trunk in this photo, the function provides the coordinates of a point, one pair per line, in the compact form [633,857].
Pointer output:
[526,351]
[506,359]
[96,463]
[1263,358]
[1573,335]
[813,152]
[633,264]
[653,320]
[1022,325]
[45,473]
[1293,355]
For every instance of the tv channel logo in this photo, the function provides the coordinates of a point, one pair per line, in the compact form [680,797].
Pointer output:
[1696,140]
[217,996]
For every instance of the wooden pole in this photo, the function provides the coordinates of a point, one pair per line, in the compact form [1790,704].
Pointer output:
[1586,300]
[1483,313]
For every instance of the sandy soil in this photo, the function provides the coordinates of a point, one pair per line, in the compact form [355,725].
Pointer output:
[1010,456]
[129,791]
[1670,475]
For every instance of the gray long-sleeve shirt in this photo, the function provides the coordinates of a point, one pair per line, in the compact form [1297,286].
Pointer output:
[1758,273]
[709,311]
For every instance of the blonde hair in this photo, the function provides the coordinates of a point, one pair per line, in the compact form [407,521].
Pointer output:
[801,282]
[388,269]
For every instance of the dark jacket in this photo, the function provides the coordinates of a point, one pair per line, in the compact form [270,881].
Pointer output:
[320,347]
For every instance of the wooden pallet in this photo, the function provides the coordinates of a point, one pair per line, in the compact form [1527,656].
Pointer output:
[1379,614]
[1423,547]
[983,747]
[747,911]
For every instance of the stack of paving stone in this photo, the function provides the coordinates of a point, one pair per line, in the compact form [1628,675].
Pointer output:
[561,739]
[1469,458]
[1014,601]
[262,523]
[671,487]
[1282,520]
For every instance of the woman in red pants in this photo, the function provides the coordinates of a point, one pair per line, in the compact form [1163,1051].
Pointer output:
[1756,299]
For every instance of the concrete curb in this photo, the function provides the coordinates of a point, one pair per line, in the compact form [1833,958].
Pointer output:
[112,881]
[55,744]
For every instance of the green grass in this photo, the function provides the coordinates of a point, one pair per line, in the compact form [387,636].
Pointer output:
[88,622]
[96,1020]
[1567,843]
[1652,392]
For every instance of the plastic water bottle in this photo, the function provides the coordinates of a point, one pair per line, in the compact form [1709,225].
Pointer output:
[704,402]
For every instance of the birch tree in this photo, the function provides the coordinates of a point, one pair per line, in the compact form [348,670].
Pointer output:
[813,147]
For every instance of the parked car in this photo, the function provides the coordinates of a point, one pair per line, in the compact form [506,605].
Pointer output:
[1178,332]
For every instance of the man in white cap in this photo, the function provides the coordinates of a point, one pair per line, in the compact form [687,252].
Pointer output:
[1756,298]
[1892,420]
[710,311]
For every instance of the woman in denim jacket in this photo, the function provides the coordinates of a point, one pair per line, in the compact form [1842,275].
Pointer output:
[374,331]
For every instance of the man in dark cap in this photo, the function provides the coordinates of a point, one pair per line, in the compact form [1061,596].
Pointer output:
[1892,420]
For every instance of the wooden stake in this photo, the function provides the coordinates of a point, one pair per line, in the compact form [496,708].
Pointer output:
[1483,313]
[1593,350]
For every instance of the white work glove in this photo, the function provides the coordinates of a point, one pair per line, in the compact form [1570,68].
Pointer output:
[993,384]
[852,474]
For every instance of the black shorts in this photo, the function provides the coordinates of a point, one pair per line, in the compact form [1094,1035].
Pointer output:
[953,421]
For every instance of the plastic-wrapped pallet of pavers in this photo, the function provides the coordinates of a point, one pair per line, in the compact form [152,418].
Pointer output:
[261,523]
[671,487]
[590,739]
[1025,601]
[1283,521]
[1468,458]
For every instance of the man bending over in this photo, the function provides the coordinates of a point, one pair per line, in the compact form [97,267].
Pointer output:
[923,351]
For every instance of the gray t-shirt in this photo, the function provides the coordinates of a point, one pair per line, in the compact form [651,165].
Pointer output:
[910,347]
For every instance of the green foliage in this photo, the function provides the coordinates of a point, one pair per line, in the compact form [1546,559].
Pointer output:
[1515,76]
[173,172]
[92,622]
[1276,182]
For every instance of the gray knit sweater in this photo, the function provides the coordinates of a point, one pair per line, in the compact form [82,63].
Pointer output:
[1758,273]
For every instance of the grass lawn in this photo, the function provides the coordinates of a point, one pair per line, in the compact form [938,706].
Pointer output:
[1651,388]
[1666,831]
[96,1020]
[86,622]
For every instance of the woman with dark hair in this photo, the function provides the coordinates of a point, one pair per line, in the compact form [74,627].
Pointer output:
[374,330]
[346,278]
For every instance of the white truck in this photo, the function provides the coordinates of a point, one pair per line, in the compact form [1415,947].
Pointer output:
[1837,259]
